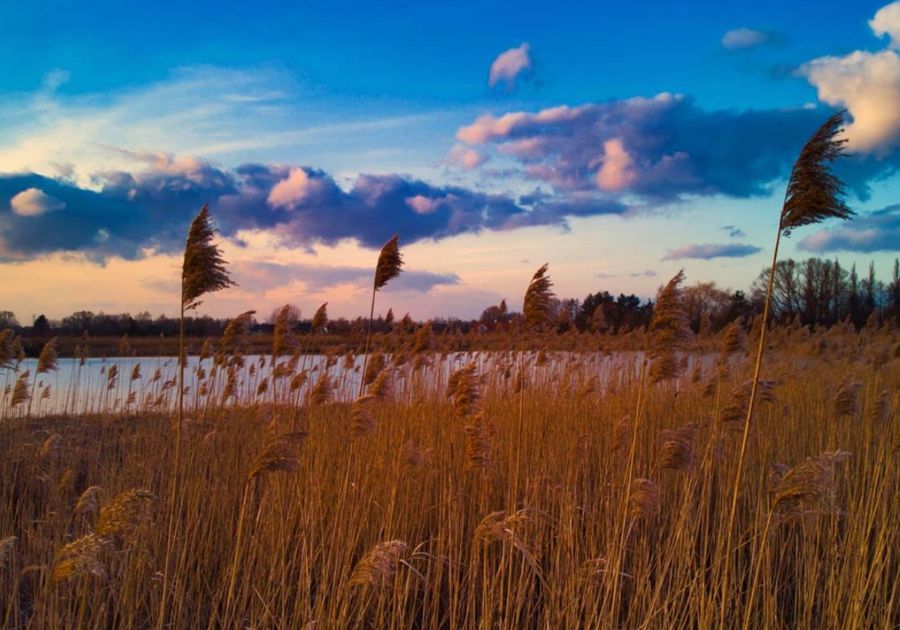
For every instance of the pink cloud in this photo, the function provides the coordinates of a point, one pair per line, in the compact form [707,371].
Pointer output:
[294,190]
[423,204]
[509,65]
[465,158]
[616,171]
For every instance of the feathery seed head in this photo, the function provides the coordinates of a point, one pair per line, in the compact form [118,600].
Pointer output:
[390,263]
[203,270]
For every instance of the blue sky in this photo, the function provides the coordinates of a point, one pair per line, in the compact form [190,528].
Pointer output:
[616,141]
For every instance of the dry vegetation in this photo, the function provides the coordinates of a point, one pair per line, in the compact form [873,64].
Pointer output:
[544,490]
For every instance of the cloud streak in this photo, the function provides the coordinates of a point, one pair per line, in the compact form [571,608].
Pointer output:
[262,276]
[708,251]
[745,38]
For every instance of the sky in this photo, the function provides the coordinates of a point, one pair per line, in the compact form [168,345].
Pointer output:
[620,142]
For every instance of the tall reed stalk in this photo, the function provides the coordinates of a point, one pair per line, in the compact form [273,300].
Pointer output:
[203,271]
[813,194]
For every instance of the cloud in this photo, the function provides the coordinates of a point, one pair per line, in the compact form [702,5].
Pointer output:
[616,170]
[297,188]
[465,157]
[745,38]
[509,66]
[263,276]
[872,232]
[127,213]
[867,84]
[733,231]
[661,148]
[708,251]
[232,114]
[647,273]
[33,202]
[887,22]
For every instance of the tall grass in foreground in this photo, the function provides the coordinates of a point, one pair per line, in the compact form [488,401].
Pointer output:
[451,513]
[813,194]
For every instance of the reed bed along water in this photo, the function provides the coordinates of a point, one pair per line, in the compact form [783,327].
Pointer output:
[544,489]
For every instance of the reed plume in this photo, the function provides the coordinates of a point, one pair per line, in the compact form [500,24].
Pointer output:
[677,449]
[538,304]
[668,331]
[321,392]
[814,193]
[382,387]
[388,267]
[235,332]
[733,338]
[378,567]
[47,361]
[80,557]
[465,391]
[120,518]
[282,339]
[203,270]
[644,501]
[88,506]
[846,399]
[21,394]
[809,487]
[7,352]
[478,442]
[279,454]
[362,420]
[51,447]
[320,319]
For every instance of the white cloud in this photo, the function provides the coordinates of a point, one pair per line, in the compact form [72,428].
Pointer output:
[33,202]
[509,65]
[887,22]
[868,85]
[744,38]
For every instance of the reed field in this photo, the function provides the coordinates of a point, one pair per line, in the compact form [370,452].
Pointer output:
[478,490]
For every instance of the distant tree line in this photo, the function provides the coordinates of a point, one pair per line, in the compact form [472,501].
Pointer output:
[819,292]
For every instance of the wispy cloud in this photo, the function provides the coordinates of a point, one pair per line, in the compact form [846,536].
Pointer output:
[733,231]
[263,276]
[877,231]
[745,38]
[647,273]
[220,113]
[708,251]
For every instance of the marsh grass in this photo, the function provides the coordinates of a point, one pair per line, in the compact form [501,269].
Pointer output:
[493,506]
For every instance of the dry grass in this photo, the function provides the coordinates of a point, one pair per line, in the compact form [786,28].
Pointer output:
[494,506]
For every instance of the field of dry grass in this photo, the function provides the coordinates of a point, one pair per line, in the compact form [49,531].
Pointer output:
[545,490]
